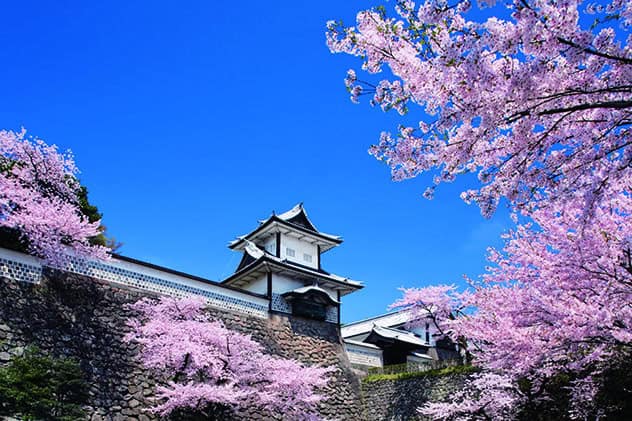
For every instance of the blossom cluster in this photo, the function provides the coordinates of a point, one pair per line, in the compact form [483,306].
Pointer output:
[539,106]
[207,364]
[39,199]
[536,105]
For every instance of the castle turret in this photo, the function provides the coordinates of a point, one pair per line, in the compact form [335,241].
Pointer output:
[282,259]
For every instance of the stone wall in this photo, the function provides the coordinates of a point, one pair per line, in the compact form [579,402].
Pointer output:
[72,315]
[398,400]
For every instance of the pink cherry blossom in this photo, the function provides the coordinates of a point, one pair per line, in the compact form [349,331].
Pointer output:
[205,363]
[539,107]
[39,199]
[487,396]
[555,300]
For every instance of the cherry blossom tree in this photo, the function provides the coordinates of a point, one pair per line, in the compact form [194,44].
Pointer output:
[555,301]
[40,200]
[209,367]
[539,106]
[488,395]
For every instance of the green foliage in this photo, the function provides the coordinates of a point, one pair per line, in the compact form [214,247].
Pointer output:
[93,215]
[35,386]
[390,369]
[89,210]
[457,369]
[10,238]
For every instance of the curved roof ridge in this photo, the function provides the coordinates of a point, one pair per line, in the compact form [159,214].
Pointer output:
[298,216]
[252,249]
[311,288]
[297,209]
[398,334]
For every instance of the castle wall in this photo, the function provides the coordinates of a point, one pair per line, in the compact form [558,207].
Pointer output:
[78,316]
[398,400]
[151,278]
[75,315]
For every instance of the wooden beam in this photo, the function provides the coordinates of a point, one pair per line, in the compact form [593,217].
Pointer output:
[269,291]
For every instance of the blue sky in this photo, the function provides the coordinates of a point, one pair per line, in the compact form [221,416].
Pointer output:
[192,120]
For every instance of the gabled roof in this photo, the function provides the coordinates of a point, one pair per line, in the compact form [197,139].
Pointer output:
[295,220]
[379,332]
[256,260]
[396,318]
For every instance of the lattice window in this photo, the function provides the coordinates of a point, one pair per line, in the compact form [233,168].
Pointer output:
[280,304]
[20,271]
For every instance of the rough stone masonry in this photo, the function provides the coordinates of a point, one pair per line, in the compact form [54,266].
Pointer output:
[399,400]
[81,317]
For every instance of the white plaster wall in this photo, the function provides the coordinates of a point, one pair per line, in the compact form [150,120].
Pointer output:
[364,355]
[260,286]
[19,266]
[270,245]
[281,284]
[300,248]
[133,267]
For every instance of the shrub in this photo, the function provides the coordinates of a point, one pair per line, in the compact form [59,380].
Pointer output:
[38,386]
[457,369]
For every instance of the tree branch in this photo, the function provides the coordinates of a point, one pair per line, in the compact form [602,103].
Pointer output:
[592,51]
[579,107]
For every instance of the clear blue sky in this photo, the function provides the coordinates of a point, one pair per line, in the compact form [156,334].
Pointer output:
[192,120]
